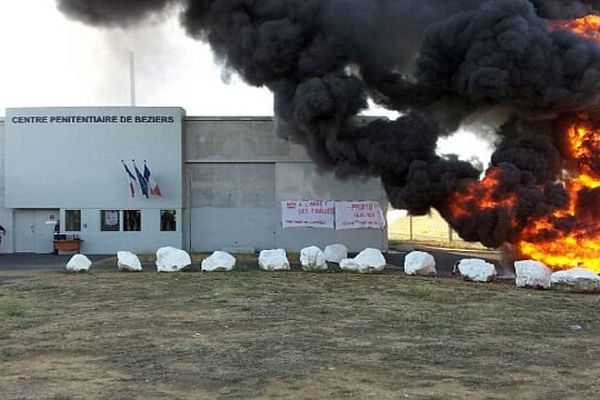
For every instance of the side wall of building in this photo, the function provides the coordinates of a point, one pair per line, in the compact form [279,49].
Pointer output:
[238,172]
[6,216]
[224,177]
[59,159]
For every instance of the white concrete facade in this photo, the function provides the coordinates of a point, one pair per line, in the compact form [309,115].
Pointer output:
[224,177]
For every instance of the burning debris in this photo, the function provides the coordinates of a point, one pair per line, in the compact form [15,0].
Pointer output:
[439,63]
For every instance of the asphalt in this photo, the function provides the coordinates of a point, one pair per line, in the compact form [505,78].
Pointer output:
[41,262]
[445,260]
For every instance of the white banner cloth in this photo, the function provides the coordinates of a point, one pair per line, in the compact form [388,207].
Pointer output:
[307,213]
[358,214]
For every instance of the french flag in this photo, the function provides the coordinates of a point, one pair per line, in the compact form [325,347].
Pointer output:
[141,180]
[131,179]
[152,185]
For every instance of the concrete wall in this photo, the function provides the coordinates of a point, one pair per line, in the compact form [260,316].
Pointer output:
[225,177]
[303,181]
[232,206]
[85,158]
[6,216]
[237,139]
[61,164]
[238,172]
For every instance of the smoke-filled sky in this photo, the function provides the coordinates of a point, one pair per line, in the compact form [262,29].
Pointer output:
[510,68]
[50,60]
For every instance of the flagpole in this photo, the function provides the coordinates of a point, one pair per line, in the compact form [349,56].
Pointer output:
[132,77]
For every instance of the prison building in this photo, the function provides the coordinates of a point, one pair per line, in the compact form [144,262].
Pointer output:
[72,176]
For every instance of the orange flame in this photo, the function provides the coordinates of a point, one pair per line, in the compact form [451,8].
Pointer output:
[580,244]
[570,237]
[480,196]
[588,26]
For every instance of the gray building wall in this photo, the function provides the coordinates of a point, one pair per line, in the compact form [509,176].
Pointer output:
[77,165]
[226,177]
[6,219]
[238,172]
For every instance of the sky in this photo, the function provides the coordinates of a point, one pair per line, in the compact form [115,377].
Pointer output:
[49,60]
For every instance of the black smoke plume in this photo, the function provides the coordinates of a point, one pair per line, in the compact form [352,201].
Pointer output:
[437,62]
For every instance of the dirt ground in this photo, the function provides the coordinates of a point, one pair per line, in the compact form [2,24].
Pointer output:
[291,335]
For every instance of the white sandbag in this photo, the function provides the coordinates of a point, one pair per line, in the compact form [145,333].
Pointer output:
[367,261]
[533,274]
[78,263]
[171,259]
[313,259]
[335,253]
[576,279]
[127,261]
[273,260]
[348,264]
[476,270]
[218,261]
[419,263]
[370,260]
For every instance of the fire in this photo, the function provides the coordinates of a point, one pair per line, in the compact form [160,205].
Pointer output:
[481,195]
[578,244]
[588,26]
[570,236]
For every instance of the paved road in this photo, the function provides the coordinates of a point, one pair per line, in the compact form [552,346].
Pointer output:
[445,259]
[40,262]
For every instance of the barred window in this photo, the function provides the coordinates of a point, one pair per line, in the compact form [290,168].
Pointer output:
[168,220]
[132,220]
[73,220]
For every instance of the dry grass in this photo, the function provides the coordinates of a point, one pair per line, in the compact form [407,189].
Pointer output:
[292,335]
[429,229]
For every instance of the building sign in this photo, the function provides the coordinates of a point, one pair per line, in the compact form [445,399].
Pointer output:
[358,214]
[51,153]
[307,213]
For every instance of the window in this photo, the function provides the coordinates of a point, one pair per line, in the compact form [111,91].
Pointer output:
[168,221]
[132,220]
[109,220]
[73,220]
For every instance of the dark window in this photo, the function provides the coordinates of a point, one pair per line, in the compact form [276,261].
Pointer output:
[168,221]
[109,220]
[73,220]
[132,220]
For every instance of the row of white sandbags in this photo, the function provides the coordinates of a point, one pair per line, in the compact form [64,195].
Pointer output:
[537,275]
[170,259]
[473,269]
[528,273]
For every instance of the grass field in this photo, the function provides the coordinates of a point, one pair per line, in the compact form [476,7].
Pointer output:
[430,229]
[291,335]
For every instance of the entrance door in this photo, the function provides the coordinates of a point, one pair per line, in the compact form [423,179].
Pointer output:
[34,230]
[24,231]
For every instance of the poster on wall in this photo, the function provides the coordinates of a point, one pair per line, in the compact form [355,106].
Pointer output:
[307,213]
[358,214]
[111,218]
